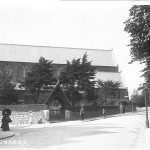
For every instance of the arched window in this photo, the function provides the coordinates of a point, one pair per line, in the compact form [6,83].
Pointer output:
[25,71]
[58,71]
[9,70]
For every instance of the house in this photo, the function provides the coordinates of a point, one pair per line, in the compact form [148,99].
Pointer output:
[18,60]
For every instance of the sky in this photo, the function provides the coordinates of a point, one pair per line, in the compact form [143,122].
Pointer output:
[77,24]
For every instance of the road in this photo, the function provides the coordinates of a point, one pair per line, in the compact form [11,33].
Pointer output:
[121,131]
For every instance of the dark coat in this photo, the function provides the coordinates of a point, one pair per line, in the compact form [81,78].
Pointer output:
[5,123]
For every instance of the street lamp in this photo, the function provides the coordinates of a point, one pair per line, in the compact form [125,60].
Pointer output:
[147,121]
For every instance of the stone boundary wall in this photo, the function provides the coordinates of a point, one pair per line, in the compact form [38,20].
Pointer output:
[23,117]
[24,108]
[20,113]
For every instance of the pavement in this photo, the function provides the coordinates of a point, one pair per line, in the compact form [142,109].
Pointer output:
[145,137]
[142,139]
[7,134]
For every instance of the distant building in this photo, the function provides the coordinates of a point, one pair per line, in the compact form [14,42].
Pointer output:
[18,60]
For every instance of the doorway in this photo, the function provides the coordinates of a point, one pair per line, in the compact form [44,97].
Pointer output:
[57,111]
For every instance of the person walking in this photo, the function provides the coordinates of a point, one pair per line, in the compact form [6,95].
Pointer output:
[104,113]
[82,113]
[31,118]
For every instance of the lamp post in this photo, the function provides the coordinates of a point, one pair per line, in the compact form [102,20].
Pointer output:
[147,121]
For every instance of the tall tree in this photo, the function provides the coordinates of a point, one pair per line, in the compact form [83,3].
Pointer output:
[138,26]
[138,98]
[78,76]
[86,75]
[8,94]
[40,77]
[110,87]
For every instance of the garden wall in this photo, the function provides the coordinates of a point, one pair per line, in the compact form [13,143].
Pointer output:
[20,113]
[23,117]
[24,108]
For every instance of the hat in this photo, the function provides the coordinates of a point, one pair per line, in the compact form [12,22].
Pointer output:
[6,111]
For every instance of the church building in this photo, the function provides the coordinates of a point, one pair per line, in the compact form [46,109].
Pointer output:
[18,60]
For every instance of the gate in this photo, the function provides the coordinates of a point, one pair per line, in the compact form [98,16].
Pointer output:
[57,114]
[57,111]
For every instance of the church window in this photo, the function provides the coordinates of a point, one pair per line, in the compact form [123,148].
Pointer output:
[25,71]
[9,70]
[58,71]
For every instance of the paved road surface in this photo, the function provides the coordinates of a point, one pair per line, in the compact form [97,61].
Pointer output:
[111,133]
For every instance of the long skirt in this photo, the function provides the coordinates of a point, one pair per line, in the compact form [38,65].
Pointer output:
[5,126]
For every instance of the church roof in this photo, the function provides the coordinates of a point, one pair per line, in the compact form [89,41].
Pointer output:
[59,55]
[114,76]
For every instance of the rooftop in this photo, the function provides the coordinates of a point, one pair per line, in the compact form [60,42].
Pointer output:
[114,76]
[59,55]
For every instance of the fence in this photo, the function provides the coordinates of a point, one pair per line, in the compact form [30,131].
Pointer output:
[95,111]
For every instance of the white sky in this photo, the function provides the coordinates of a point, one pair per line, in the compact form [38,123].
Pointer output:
[77,24]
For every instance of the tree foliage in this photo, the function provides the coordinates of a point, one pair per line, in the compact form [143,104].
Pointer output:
[78,76]
[138,26]
[40,77]
[8,94]
[110,87]
[138,97]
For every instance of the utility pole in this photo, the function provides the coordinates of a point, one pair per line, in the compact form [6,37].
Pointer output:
[147,121]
